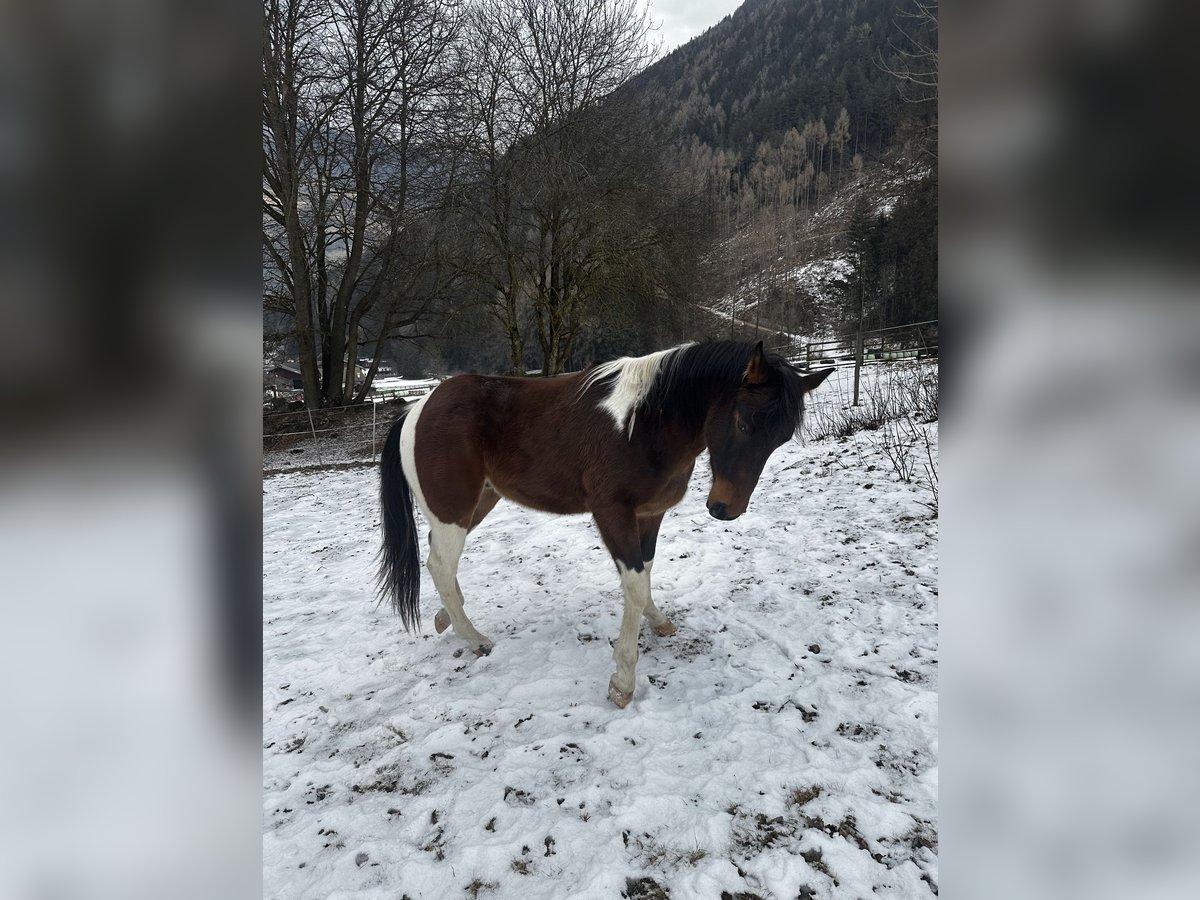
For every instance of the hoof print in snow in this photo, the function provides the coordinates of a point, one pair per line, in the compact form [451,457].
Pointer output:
[516,797]
[436,844]
[360,858]
[521,865]
[806,714]
[319,793]
[815,860]
[644,889]
[751,834]
[294,745]
[477,887]
[331,839]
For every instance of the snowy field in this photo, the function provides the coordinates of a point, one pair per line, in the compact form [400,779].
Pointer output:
[782,744]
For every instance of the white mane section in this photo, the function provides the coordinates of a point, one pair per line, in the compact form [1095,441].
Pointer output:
[633,376]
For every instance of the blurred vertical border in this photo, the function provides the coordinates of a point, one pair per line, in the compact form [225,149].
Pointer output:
[1070,591]
[130,495]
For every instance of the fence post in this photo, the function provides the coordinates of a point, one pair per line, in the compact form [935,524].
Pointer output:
[373,405]
[858,343]
[316,446]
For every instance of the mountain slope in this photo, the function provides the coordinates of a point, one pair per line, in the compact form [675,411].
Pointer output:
[774,64]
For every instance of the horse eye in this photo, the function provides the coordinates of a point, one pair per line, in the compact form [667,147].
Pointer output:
[742,426]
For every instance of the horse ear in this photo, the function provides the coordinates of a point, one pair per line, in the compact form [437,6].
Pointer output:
[756,369]
[811,380]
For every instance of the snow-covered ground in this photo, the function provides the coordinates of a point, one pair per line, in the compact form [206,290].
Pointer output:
[782,744]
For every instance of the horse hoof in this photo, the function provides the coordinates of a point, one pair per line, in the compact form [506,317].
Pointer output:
[617,696]
[483,650]
[441,621]
[666,629]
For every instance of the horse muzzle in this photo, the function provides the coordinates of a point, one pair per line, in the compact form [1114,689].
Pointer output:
[727,508]
[721,511]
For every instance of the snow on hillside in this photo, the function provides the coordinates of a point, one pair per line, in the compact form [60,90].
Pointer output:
[783,743]
[821,279]
[817,281]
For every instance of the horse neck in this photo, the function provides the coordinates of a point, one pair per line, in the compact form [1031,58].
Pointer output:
[686,411]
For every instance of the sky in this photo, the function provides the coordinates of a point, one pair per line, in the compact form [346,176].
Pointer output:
[682,20]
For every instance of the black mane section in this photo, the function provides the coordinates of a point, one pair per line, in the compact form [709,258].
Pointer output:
[692,377]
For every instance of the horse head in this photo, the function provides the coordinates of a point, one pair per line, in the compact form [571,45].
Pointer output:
[745,426]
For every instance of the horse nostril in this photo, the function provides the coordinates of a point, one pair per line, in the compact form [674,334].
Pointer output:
[718,510]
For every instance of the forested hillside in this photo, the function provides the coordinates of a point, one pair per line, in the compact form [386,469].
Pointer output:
[775,65]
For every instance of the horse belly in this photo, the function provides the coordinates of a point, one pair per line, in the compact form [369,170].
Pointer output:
[544,496]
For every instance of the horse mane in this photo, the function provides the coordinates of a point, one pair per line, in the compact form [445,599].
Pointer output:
[680,383]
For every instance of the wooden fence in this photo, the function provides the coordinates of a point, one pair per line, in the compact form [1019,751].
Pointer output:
[916,341]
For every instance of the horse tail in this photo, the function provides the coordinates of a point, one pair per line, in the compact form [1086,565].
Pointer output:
[399,577]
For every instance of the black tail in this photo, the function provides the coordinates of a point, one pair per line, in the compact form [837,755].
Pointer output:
[399,558]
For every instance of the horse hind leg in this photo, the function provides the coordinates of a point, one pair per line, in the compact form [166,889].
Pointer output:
[449,551]
[446,542]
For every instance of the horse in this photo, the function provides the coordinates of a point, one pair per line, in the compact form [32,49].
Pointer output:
[619,440]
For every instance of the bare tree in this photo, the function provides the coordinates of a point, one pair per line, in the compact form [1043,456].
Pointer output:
[293,114]
[354,109]
[555,144]
[489,192]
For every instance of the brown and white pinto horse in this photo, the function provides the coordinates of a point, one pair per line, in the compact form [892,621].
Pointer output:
[618,441]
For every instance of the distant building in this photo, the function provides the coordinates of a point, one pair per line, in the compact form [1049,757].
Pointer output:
[364,365]
[282,381]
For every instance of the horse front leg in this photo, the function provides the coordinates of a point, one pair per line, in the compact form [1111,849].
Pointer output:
[619,529]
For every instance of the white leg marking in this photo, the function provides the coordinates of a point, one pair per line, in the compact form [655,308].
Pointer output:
[446,540]
[636,588]
[445,549]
